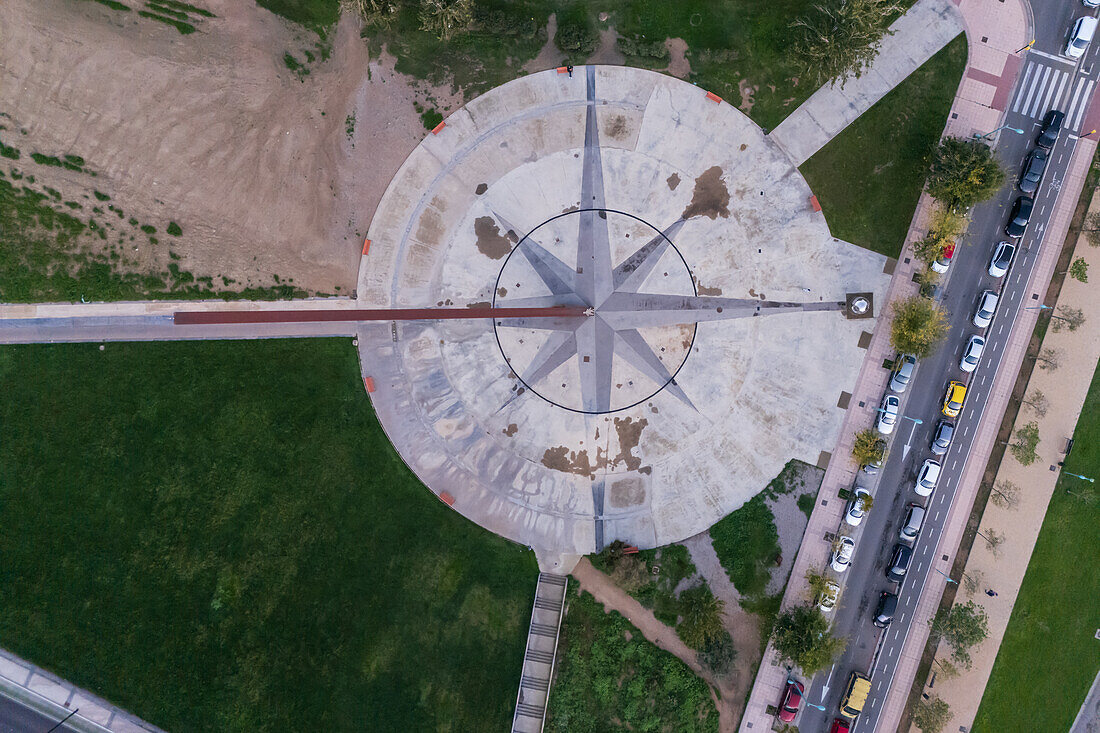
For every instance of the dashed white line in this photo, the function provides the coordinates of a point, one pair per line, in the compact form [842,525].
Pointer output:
[937,517]
[920,565]
[1020,94]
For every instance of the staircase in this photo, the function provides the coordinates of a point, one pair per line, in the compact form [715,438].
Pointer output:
[538,659]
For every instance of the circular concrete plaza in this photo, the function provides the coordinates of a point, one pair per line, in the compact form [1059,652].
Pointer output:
[703,342]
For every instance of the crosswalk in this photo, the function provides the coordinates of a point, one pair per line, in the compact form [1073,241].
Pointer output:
[1045,87]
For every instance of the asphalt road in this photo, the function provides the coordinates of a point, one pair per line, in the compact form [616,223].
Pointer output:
[1052,83]
[17,718]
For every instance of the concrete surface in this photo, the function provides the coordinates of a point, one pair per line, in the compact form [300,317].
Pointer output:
[673,217]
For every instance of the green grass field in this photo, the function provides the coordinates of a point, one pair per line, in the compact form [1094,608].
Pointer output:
[219,537]
[1048,658]
[869,177]
[609,678]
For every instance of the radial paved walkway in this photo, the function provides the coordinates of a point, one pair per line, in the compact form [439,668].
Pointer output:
[926,28]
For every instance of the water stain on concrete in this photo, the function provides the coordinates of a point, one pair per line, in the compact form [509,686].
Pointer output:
[479,304]
[743,147]
[673,181]
[630,434]
[616,127]
[711,198]
[626,492]
[569,209]
[502,291]
[703,289]
[511,430]
[430,228]
[560,458]
[490,241]
[481,188]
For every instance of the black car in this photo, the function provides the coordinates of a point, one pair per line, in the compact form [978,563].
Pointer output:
[1021,215]
[1035,165]
[887,607]
[941,439]
[899,563]
[1052,127]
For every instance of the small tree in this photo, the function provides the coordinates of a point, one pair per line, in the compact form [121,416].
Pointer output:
[1037,402]
[993,540]
[919,325]
[839,38]
[817,581]
[445,18]
[630,573]
[801,635]
[1027,440]
[944,227]
[1005,494]
[702,617]
[868,447]
[1092,229]
[963,173]
[1079,270]
[931,715]
[928,279]
[961,626]
[947,670]
[973,580]
[866,501]
[1049,359]
[374,13]
[719,654]
[1068,318]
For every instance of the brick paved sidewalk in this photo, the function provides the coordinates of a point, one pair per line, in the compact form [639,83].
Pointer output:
[1066,391]
[994,30]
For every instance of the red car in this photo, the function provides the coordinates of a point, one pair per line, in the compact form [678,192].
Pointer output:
[792,699]
[840,725]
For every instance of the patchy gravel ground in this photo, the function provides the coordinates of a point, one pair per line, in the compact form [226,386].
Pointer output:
[213,131]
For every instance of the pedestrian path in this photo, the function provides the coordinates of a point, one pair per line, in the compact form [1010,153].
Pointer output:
[55,698]
[1048,84]
[1065,390]
[916,36]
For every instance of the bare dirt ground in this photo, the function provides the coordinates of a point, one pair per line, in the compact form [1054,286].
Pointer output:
[213,131]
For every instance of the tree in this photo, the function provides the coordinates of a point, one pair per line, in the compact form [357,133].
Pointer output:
[868,447]
[866,501]
[1049,359]
[445,18]
[702,617]
[963,173]
[1037,402]
[1005,494]
[928,279]
[1092,229]
[839,38]
[944,227]
[719,654]
[994,540]
[801,635]
[961,626]
[1079,270]
[630,573]
[973,580]
[1068,318]
[947,670]
[375,13]
[1027,440]
[817,581]
[931,715]
[919,325]
[576,35]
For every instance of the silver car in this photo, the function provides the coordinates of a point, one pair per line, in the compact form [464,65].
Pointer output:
[987,307]
[903,372]
[855,512]
[972,354]
[842,553]
[888,414]
[914,520]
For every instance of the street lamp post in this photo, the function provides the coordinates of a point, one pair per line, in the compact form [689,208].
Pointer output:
[1026,47]
[949,578]
[916,420]
[991,133]
[1077,475]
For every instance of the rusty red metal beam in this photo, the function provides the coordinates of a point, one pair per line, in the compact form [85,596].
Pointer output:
[365,314]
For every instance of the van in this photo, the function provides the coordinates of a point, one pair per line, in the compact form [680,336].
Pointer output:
[855,695]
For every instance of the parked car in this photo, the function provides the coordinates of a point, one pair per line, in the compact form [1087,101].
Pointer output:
[927,477]
[904,365]
[1001,259]
[842,553]
[855,695]
[856,510]
[941,437]
[887,607]
[1052,128]
[792,700]
[914,520]
[888,414]
[953,400]
[899,563]
[840,725]
[1019,216]
[1035,164]
[875,465]
[826,602]
[1080,36]
[987,307]
[943,263]
[972,353]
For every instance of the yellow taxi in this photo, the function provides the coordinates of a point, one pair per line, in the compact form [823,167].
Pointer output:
[953,402]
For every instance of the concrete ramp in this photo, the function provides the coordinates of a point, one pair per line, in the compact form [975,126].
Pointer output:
[538,659]
[917,36]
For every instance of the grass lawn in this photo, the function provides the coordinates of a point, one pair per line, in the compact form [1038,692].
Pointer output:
[219,537]
[747,544]
[869,177]
[610,678]
[1048,658]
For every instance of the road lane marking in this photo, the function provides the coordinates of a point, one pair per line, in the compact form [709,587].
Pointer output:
[1052,57]
[1058,95]
[1023,86]
[1084,104]
[1033,108]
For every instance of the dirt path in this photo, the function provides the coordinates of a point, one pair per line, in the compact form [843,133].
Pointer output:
[604,590]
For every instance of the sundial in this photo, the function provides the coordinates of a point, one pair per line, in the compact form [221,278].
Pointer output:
[661,319]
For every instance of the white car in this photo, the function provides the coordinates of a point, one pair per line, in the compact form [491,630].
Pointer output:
[972,354]
[842,553]
[914,519]
[827,600]
[888,414]
[1080,37]
[927,478]
[987,307]
[855,512]
[1001,259]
